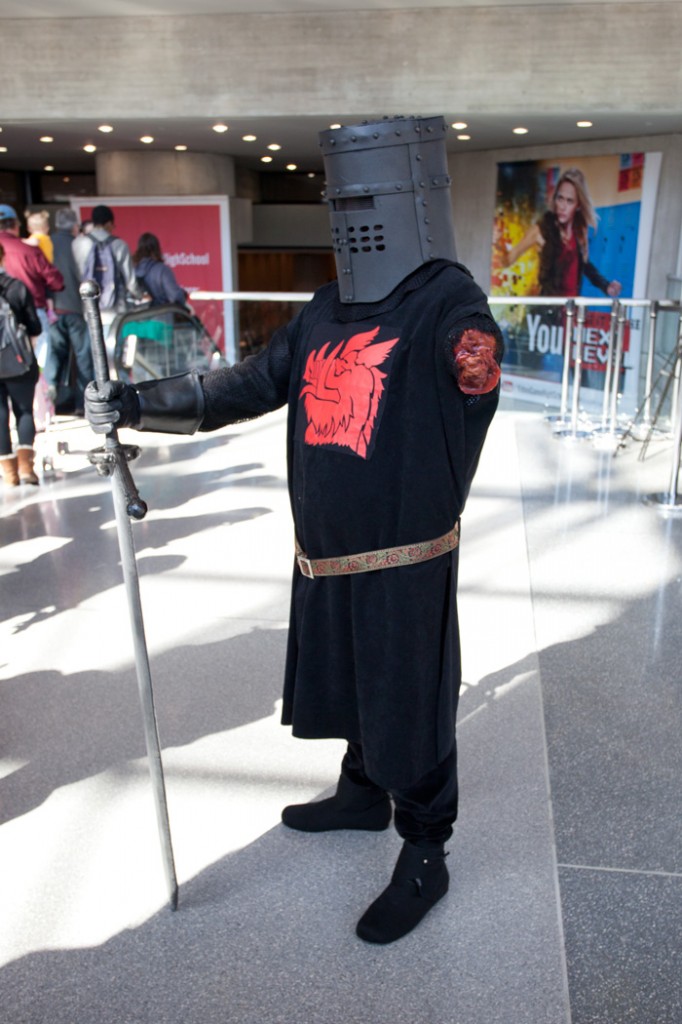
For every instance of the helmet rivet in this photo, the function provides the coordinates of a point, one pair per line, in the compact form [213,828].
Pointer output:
[399,187]
[426,220]
[397,132]
[422,184]
[429,238]
[365,188]
[418,156]
[375,135]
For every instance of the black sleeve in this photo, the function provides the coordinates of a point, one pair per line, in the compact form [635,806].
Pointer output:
[595,278]
[249,389]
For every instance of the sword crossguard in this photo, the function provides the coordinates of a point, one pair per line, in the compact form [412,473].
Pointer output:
[109,459]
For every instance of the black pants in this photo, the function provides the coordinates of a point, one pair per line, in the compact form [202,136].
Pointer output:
[70,331]
[18,392]
[425,811]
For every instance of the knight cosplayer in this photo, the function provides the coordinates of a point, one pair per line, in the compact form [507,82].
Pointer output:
[390,375]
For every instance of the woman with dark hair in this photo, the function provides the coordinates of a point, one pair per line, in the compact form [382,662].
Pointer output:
[18,392]
[155,276]
[561,239]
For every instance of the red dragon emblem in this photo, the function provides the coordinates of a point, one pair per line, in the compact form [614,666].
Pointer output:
[342,391]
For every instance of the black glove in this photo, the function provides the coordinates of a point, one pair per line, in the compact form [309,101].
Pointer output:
[111,404]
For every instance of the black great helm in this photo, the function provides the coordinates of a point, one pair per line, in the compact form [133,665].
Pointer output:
[388,191]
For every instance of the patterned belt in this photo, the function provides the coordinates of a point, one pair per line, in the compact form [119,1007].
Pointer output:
[370,561]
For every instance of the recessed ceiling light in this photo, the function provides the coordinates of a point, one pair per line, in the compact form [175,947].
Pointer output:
[460,125]
[48,167]
[220,128]
[66,180]
[520,131]
[311,174]
[334,125]
[3,149]
[266,159]
[46,138]
[146,139]
[292,167]
[584,124]
[248,138]
[89,148]
[463,138]
[274,146]
[106,128]
[181,148]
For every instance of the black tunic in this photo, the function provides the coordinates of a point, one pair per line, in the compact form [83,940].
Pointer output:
[382,448]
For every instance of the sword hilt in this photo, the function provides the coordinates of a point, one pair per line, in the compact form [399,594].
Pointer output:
[90,292]
[114,455]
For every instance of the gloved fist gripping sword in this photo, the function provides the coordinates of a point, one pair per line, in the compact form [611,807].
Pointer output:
[112,460]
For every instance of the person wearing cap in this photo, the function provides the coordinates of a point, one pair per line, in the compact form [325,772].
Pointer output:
[17,393]
[29,264]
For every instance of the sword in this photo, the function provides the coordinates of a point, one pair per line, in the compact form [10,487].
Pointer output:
[112,460]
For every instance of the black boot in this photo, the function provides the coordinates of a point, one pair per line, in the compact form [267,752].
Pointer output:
[352,806]
[419,880]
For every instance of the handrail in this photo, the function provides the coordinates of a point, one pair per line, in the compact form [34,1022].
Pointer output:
[608,432]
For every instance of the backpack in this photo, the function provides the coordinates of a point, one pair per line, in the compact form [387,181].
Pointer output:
[101,267]
[16,351]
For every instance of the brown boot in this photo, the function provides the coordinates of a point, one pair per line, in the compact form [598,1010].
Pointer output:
[8,464]
[25,457]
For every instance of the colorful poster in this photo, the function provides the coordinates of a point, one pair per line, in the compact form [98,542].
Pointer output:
[194,234]
[566,228]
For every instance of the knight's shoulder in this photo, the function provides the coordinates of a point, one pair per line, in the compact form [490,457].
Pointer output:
[460,279]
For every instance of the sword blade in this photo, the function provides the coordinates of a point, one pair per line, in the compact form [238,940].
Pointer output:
[144,681]
[113,462]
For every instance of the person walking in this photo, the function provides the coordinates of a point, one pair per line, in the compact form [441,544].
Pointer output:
[154,275]
[69,333]
[17,393]
[29,264]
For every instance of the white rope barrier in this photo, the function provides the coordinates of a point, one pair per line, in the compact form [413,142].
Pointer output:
[566,427]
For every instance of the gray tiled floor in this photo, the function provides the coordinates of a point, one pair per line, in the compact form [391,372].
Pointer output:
[566,861]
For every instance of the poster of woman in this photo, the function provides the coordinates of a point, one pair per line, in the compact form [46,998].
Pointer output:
[564,228]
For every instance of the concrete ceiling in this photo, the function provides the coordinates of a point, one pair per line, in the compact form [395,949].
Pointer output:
[296,135]
[160,8]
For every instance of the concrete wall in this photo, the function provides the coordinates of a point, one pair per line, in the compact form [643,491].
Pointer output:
[291,225]
[164,174]
[474,180]
[536,59]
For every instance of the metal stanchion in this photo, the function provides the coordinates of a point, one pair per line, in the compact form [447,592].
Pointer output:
[561,419]
[618,366]
[608,370]
[609,436]
[671,501]
[649,377]
[677,373]
[572,433]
